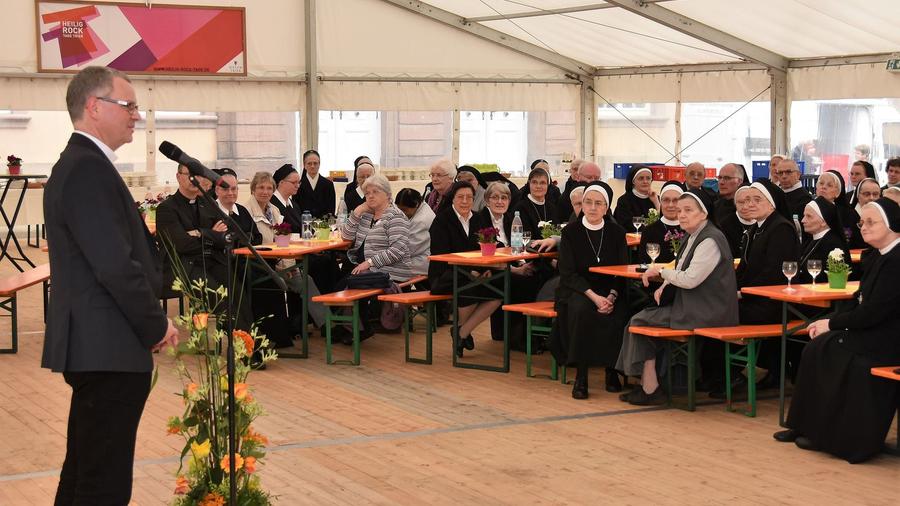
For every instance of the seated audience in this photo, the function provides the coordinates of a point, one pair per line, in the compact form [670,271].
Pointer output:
[831,186]
[469,174]
[694,175]
[773,168]
[316,194]
[731,177]
[638,199]
[588,329]
[690,296]
[287,183]
[838,406]
[736,226]
[443,173]
[667,224]
[892,192]
[534,207]
[789,179]
[455,230]
[420,217]
[867,190]
[553,193]
[353,193]
[824,233]
[892,167]
[226,198]
[859,171]
[587,173]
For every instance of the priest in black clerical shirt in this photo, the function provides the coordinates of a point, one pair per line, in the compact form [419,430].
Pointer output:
[789,179]
[316,193]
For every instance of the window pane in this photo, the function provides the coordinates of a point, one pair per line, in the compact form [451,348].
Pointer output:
[741,138]
[618,141]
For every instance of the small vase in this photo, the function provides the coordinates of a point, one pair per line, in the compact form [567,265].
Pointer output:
[488,248]
[282,241]
[151,215]
[14,170]
[323,234]
[837,279]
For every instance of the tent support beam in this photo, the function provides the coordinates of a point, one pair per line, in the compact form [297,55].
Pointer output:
[508,41]
[703,32]
[779,104]
[588,108]
[548,12]
[312,67]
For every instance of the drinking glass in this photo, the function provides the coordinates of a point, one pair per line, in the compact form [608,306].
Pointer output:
[638,222]
[652,251]
[814,267]
[790,270]
[526,238]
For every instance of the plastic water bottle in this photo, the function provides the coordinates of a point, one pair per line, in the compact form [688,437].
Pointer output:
[342,212]
[515,240]
[306,225]
[799,229]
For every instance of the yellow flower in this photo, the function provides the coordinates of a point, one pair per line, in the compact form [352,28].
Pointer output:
[200,320]
[223,383]
[238,463]
[201,450]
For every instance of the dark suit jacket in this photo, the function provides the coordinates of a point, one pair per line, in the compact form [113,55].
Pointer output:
[104,314]
[448,236]
[319,202]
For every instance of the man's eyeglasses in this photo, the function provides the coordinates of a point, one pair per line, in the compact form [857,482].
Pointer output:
[783,172]
[131,107]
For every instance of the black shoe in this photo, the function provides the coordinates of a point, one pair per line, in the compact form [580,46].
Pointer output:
[612,380]
[640,398]
[626,397]
[460,347]
[769,382]
[804,443]
[580,390]
[468,342]
[738,389]
[786,436]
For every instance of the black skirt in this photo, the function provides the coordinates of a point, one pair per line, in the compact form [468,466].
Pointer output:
[583,337]
[838,404]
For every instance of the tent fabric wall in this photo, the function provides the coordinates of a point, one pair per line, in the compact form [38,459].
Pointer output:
[726,86]
[409,96]
[870,80]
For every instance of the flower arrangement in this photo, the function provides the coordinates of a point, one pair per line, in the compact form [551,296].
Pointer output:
[652,217]
[283,228]
[548,229]
[836,263]
[151,202]
[488,235]
[13,161]
[203,424]
[674,238]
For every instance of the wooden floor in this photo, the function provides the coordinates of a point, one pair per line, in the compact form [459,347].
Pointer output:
[388,432]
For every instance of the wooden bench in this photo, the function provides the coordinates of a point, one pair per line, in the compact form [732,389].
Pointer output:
[891,373]
[683,350]
[350,298]
[409,300]
[10,286]
[747,336]
[539,309]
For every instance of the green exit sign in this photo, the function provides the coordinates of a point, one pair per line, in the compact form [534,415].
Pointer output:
[894,65]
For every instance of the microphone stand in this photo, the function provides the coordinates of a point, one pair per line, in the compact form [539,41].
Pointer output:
[234,232]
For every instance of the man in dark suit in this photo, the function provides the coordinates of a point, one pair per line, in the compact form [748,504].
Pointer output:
[104,318]
[316,193]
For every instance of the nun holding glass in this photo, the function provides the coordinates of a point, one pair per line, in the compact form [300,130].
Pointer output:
[838,406]
[588,329]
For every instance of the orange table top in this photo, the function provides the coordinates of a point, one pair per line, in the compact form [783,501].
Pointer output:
[624,271]
[821,295]
[475,258]
[632,239]
[887,372]
[296,249]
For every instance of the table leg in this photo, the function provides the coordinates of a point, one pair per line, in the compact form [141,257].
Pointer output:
[505,296]
[784,336]
[10,223]
[304,308]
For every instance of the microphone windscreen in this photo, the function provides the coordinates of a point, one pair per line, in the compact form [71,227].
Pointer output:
[170,151]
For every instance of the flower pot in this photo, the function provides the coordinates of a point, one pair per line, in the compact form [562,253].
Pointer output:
[837,279]
[323,234]
[282,241]
[488,248]
[14,169]
[150,215]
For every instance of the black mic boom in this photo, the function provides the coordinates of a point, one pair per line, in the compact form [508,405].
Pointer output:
[174,153]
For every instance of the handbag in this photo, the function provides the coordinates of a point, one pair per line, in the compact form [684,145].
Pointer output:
[369,279]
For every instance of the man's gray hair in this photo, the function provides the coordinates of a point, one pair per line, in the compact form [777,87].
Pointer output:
[445,166]
[379,182]
[90,82]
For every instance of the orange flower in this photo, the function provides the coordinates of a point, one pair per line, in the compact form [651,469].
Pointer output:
[250,465]
[200,320]
[182,485]
[240,391]
[212,499]
[191,389]
[238,463]
[255,437]
[247,338]
[173,426]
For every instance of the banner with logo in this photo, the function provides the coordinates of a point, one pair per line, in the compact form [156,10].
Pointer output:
[135,38]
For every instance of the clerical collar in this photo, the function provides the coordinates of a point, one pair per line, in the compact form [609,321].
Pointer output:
[531,198]
[795,186]
[639,194]
[495,217]
[100,144]
[461,219]
[667,221]
[820,234]
[743,221]
[359,191]
[312,180]
[587,225]
[887,249]
[858,208]
[234,208]
[287,203]
[759,223]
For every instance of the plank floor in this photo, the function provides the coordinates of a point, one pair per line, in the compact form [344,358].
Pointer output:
[388,432]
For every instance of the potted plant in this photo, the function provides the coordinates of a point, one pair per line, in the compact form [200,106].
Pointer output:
[548,229]
[322,228]
[282,234]
[674,239]
[487,239]
[652,217]
[14,164]
[837,269]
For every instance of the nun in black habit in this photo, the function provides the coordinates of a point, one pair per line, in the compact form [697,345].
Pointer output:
[353,194]
[824,233]
[638,199]
[736,225]
[553,193]
[666,226]
[866,191]
[831,186]
[535,206]
[316,193]
[838,406]
[588,329]
[469,174]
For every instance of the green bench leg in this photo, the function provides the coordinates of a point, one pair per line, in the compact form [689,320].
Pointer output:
[688,352]
[10,305]
[531,329]
[746,357]
[330,320]
[409,316]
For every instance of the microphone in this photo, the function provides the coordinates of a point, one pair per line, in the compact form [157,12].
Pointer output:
[174,153]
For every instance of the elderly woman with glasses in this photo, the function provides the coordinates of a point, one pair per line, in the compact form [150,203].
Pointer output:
[442,174]
[638,199]
[838,406]
[867,190]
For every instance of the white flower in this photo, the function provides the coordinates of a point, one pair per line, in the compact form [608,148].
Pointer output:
[542,224]
[836,254]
